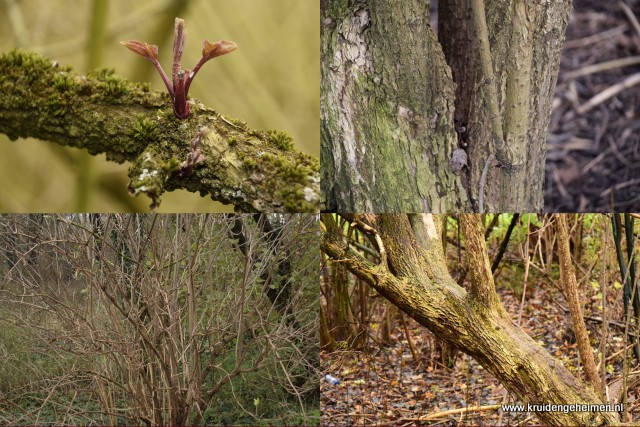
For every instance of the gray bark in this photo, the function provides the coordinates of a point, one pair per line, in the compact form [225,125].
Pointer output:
[393,94]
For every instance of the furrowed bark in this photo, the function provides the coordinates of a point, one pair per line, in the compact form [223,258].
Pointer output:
[386,111]
[417,281]
[525,41]
[252,169]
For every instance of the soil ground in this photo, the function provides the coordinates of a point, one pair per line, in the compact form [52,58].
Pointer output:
[385,385]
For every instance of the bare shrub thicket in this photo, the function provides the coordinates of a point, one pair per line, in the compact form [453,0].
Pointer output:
[148,318]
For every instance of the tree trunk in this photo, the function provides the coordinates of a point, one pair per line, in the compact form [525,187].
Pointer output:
[570,289]
[389,89]
[413,275]
[342,329]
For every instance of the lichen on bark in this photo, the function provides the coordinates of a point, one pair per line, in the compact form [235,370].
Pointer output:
[389,88]
[252,169]
[386,111]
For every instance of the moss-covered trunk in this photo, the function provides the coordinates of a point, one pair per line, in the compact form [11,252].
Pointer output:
[397,100]
[413,275]
[387,127]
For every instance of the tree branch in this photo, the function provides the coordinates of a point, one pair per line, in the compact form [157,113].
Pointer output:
[252,169]
[570,290]
[483,288]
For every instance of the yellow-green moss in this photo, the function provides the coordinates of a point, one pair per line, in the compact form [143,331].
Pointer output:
[62,81]
[144,130]
[280,139]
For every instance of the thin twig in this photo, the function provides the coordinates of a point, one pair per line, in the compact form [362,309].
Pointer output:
[602,66]
[595,38]
[483,180]
[414,352]
[632,18]
[610,92]
[453,412]
[620,186]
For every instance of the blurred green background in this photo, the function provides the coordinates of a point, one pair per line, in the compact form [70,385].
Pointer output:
[271,82]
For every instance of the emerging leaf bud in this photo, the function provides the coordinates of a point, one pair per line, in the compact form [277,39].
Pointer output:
[178,86]
[149,51]
[219,48]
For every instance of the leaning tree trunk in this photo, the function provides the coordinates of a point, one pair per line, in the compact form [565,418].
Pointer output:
[397,100]
[412,274]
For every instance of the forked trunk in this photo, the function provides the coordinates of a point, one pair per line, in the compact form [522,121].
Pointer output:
[413,275]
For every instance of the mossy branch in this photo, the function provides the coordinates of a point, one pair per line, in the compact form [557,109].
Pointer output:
[251,169]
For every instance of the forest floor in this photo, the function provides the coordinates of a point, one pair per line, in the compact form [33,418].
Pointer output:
[593,158]
[386,385]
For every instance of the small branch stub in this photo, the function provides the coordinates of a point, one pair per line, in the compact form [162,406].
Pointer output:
[195,156]
[483,182]
[181,79]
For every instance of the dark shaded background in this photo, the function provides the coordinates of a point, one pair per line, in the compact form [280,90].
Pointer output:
[593,159]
